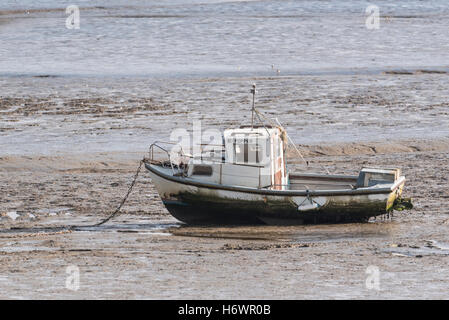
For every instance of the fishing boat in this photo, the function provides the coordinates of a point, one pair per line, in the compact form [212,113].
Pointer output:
[245,180]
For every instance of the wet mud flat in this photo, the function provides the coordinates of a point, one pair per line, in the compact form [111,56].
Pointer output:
[79,115]
[78,110]
[70,147]
[144,253]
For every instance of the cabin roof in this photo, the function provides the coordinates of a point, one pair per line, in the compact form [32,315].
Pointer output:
[263,131]
[256,126]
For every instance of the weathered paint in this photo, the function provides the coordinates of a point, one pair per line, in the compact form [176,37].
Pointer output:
[199,205]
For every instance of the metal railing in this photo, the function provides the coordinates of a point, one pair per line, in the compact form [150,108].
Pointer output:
[156,145]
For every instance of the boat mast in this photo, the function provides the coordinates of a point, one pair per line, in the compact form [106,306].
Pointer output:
[253,91]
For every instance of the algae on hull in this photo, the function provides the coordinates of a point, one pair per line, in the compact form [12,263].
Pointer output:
[197,207]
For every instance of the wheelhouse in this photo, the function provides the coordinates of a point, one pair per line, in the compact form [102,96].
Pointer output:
[251,156]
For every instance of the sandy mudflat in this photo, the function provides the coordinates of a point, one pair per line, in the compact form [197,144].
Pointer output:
[147,254]
[79,108]
[68,156]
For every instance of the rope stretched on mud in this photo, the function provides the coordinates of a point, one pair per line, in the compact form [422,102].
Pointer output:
[68,229]
[117,211]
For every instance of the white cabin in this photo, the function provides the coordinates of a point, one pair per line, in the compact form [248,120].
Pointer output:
[251,156]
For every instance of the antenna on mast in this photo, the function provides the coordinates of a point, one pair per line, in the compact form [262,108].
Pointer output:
[253,109]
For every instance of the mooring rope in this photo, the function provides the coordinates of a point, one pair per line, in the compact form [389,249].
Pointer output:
[117,211]
[289,140]
[60,230]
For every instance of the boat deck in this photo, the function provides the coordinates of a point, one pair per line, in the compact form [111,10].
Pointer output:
[301,181]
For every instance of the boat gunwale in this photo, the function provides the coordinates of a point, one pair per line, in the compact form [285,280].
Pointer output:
[361,191]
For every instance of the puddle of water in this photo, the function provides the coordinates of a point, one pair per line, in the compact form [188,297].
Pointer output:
[55,211]
[26,249]
[143,226]
[161,233]
[415,252]
[36,230]
[146,228]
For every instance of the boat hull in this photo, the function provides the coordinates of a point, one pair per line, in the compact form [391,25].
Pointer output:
[196,204]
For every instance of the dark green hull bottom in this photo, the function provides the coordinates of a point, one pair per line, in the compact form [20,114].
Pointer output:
[202,212]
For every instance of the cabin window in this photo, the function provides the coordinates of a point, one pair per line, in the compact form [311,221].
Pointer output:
[239,153]
[202,170]
[254,153]
[247,151]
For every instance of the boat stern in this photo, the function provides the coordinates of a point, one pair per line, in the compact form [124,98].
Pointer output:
[373,177]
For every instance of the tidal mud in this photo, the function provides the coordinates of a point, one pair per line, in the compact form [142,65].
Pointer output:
[79,108]
[145,253]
